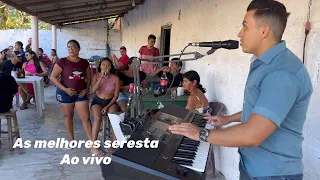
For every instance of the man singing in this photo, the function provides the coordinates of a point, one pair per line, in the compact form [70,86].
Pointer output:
[276,100]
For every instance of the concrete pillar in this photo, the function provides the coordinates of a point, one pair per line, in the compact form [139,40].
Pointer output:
[35,34]
[54,37]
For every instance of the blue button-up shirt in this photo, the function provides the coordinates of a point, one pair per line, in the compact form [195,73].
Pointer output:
[278,88]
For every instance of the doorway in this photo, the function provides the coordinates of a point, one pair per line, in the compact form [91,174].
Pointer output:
[165,43]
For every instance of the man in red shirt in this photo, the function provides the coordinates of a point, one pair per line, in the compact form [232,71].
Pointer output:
[148,51]
[120,63]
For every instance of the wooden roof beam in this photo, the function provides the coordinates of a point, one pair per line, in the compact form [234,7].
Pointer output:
[59,21]
[84,13]
[110,4]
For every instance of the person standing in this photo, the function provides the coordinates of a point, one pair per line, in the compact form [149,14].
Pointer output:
[148,51]
[73,88]
[28,47]
[276,100]
[54,56]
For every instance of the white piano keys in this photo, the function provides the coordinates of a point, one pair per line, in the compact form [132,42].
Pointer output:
[200,160]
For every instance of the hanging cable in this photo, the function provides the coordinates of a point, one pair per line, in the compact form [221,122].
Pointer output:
[307,30]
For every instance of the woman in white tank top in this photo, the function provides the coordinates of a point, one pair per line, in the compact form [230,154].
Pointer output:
[197,100]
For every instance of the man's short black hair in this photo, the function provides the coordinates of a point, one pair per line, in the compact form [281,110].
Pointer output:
[41,50]
[271,12]
[20,44]
[151,36]
[179,63]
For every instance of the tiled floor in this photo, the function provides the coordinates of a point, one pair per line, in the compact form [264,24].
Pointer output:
[44,164]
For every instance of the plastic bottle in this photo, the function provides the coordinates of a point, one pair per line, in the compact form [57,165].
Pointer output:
[163,83]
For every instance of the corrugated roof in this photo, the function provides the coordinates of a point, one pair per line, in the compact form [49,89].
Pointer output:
[62,12]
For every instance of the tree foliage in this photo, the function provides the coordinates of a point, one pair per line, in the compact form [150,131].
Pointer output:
[12,18]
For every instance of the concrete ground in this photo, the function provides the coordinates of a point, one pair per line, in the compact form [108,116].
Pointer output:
[43,164]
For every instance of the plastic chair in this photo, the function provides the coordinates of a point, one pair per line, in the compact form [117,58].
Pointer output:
[215,108]
[94,58]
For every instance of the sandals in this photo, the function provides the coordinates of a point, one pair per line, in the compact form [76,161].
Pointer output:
[99,153]
[29,97]
[33,99]
[110,150]
[24,106]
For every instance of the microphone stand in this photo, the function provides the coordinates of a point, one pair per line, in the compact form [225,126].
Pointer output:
[133,115]
[136,104]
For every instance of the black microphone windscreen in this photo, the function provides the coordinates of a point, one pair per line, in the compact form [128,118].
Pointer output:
[230,44]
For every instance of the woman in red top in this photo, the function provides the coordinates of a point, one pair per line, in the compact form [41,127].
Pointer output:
[73,88]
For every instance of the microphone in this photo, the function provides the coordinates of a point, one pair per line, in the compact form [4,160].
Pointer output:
[105,73]
[230,44]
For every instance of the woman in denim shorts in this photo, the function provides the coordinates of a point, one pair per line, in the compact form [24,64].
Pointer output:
[73,88]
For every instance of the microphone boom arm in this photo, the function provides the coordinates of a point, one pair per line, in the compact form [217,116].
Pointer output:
[136,105]
[196,54]
[133,114]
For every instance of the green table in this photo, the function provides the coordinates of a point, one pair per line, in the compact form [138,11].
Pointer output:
[149,101]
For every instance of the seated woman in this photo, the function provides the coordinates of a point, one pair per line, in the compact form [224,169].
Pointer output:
[3,55]
[126,77]
[33,67]
[54,57]
[106,85]
[197,100]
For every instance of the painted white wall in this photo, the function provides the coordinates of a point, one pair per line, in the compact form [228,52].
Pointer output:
[91,36]
[225,72]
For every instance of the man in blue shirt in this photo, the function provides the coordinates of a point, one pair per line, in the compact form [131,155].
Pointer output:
[276,100]
[18,46]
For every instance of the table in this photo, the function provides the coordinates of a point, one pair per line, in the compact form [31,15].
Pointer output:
[38,86]
[149,101]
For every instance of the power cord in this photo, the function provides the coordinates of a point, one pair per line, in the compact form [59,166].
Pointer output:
[307,31]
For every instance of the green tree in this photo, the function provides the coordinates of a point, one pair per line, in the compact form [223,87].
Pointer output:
[12,18]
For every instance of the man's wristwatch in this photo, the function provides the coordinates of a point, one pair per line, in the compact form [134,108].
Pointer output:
[203,134]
